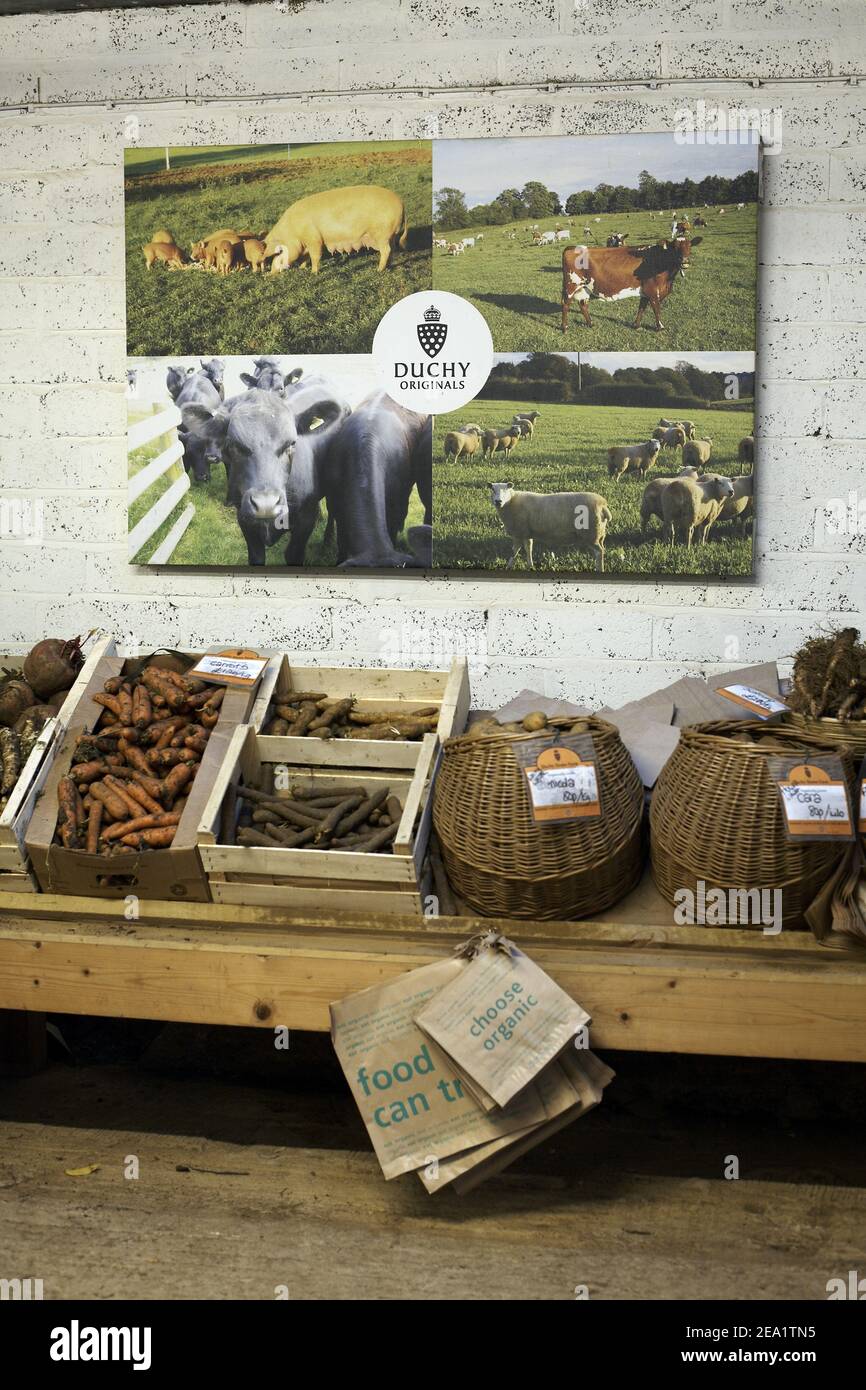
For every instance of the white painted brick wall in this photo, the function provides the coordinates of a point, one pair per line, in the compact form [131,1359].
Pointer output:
[278,70]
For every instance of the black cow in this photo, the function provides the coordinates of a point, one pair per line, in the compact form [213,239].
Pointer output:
[200,451]
[381,452]
[214,370]
[273,451]
[269,375]
[189,387]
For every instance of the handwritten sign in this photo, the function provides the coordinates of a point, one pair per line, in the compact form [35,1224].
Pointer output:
[814,798]
[561,778]
[226,669]
[765,706]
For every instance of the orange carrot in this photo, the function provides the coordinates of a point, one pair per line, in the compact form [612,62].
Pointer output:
[124,828]
[94,823]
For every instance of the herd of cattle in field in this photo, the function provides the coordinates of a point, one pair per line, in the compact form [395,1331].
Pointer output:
[288,442]
[615,270]
[341,221]
[688,504]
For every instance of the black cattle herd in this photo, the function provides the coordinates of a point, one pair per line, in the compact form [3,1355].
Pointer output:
[289,442]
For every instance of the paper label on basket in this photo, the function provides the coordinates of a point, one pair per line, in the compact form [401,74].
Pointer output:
[765,706]
[226,669]
[502,1019]
[411,1099]
[561,777]
[861,818]
[814,797]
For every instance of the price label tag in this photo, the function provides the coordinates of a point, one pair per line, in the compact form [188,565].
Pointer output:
[562,778]
[765,706]
[814,798]
[225,668]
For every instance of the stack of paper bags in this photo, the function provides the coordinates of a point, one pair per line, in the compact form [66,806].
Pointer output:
[460,1067]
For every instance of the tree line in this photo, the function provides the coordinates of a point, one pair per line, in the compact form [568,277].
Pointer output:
[535,201]
[548,376]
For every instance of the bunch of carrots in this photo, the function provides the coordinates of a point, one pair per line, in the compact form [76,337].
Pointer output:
[129,780]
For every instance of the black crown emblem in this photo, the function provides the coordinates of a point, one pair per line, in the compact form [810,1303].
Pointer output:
[432,333]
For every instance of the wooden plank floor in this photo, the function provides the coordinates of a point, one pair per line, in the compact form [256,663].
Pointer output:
[648,984]
[282,1188]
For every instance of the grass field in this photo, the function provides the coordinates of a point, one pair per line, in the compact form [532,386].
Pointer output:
[569,454]
[518,287]
[192,311]
[213,537]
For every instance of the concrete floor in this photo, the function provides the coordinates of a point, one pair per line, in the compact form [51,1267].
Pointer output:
[254,1172]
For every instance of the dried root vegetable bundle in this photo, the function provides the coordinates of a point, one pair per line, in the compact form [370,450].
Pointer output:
[310,714]
[346,818]
[829,677]
[129,779]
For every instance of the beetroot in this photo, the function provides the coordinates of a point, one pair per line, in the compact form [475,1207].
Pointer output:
[52,665]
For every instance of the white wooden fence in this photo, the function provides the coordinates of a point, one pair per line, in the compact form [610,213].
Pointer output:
[164,422]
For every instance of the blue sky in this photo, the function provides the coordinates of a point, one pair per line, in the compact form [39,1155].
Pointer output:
[612,361]
[567,164]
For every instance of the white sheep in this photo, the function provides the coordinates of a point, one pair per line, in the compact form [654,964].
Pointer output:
[457,443]
[671,438]
[552,519]
[738,507]
[651,502]
[692,503]
[628,458]
[696,452]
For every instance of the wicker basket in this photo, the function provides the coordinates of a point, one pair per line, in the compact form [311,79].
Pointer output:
[848,735]
[503,863]
[716,817]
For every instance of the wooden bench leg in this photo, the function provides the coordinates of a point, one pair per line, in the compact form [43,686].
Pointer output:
[23,1042]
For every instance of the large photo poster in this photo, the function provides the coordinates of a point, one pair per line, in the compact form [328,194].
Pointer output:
[275,418]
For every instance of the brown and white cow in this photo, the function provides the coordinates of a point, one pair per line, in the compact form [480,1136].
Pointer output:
[601,272]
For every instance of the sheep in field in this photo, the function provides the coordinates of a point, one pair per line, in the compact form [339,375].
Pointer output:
[746,449]
[457,442]
[651,502]
[627,458]
[696,452]
[553,520]
[689,504]
[738,507]
[673,438]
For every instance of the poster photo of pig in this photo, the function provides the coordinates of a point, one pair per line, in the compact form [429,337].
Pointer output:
[288,462]
[272,248]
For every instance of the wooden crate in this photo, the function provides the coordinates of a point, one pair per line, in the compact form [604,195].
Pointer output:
[173,872]
[329,880]
[373,688]
[15,870]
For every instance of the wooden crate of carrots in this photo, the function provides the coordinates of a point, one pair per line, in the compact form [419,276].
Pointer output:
[120,809]
[306,836]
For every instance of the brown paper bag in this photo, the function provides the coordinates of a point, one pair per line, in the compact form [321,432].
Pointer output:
[561,1097]
[413,1103]
[501,1018]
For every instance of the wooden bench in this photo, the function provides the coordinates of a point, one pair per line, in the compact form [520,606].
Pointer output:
[648,984]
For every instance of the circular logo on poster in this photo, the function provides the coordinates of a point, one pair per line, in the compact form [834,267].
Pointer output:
[432,352]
